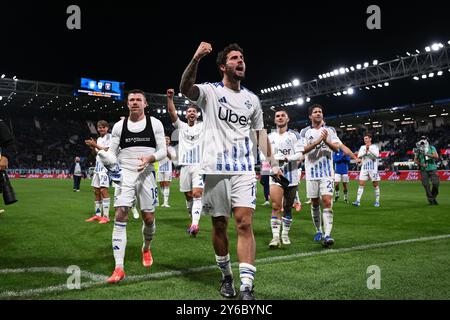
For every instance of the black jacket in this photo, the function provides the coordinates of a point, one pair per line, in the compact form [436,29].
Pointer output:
[7,144]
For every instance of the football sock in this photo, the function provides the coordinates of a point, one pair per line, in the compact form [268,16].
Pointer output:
[377,194]
[315,213]
[224,264]
[247,275]
[327,221]
[166,191]
[189,204]
[360,193]
[196,210]
[286,225]
[275,224]
[106,203]
[119,242]
[98,208]
[147,233]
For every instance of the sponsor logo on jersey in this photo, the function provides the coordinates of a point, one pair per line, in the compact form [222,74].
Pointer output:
[248,104]
[231,117]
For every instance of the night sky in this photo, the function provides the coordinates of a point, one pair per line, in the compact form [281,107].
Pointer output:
[148,45]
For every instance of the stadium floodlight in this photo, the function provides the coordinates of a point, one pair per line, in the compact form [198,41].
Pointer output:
[432,115]
[262,91]
[308,99]
[345,92]
[199,113]
[158,110]
[427,49]
[350,91]
[184,113]
[417,51]
[3,76]
[396,120]
[339,94]
[367,88]
[341,70]
[375,62]
[15,78]
[431,75]
[320,76]
[295,82]
[409,54]
[334,94]
[380,85]
[283,86]
[424,76]
[164,111]
[440,73]
[180,94]
[279,87]
[435,47]
[1,98]
[328,75]
[347,70]
[366,123]
[358,66]
[300,101]
[352,68]
[374,87]
[366,64]
[416,78]
[386,84]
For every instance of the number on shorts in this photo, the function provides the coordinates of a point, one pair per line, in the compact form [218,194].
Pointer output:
[154,192]
[330,186]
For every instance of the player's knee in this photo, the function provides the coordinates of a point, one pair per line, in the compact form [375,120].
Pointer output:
[121,214]
[276,206]
[326,203]
[220,225]
[244,224]
[197,194]
[188,195]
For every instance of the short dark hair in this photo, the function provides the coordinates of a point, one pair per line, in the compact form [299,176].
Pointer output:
[192,106]
[311,108]
[368,135]
[136,91]
[103,123]
[282,110]
[222,55]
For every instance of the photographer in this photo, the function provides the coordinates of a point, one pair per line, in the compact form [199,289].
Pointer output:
[425,156]
[7,150]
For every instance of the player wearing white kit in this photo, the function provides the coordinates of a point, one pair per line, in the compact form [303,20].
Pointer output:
[100,180]
[229,113]
[165,172]
[137,142]
[319,143]
[368,153]
[286,147]
[189,156]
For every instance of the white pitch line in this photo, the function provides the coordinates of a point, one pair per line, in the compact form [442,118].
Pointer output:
[100,279]
[54,270]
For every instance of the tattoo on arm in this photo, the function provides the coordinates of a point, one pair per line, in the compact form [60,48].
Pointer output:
[188,80]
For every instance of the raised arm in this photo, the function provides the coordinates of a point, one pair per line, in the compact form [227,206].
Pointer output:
[171,106]
[187,84]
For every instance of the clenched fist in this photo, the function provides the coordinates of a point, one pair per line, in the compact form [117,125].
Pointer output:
[170,93]
[203,49]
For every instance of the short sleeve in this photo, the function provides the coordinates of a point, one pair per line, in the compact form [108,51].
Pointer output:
[257,117]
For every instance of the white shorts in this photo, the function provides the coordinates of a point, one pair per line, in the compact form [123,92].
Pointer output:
[318,188]
[190,178]
[141,185]
[100,180]
[164,176]
[365,175]
[272,182]
[341,177]
[222,193]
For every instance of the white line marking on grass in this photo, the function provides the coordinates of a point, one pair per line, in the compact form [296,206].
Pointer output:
[101,279]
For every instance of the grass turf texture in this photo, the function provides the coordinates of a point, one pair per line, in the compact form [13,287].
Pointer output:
[46,228]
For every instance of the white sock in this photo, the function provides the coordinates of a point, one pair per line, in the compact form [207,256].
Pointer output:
[166,191]
[297,198]
[286,225]
[360,193]
[247,275]
[189,204]
[275,224]
[196,210]
[377,194]
[224,264]
[98,208]
[315,214]
[337,193]
[119,242]
[106,202]
[327,221]
[147,234]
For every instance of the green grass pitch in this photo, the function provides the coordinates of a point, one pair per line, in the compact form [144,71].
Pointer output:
[46,230]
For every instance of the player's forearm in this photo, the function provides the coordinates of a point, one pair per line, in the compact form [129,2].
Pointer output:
[348,152]
[296,157]
[265,146]
[188,78]
[172,110]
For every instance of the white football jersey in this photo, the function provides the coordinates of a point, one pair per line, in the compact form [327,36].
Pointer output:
[189,140]
[104,141]
[228,117]
[165,165]
[369,160]
[287,145]
[319,161]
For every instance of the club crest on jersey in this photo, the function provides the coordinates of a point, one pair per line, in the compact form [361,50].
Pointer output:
[248,104]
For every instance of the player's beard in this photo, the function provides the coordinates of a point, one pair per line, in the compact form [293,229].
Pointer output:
[231,74]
